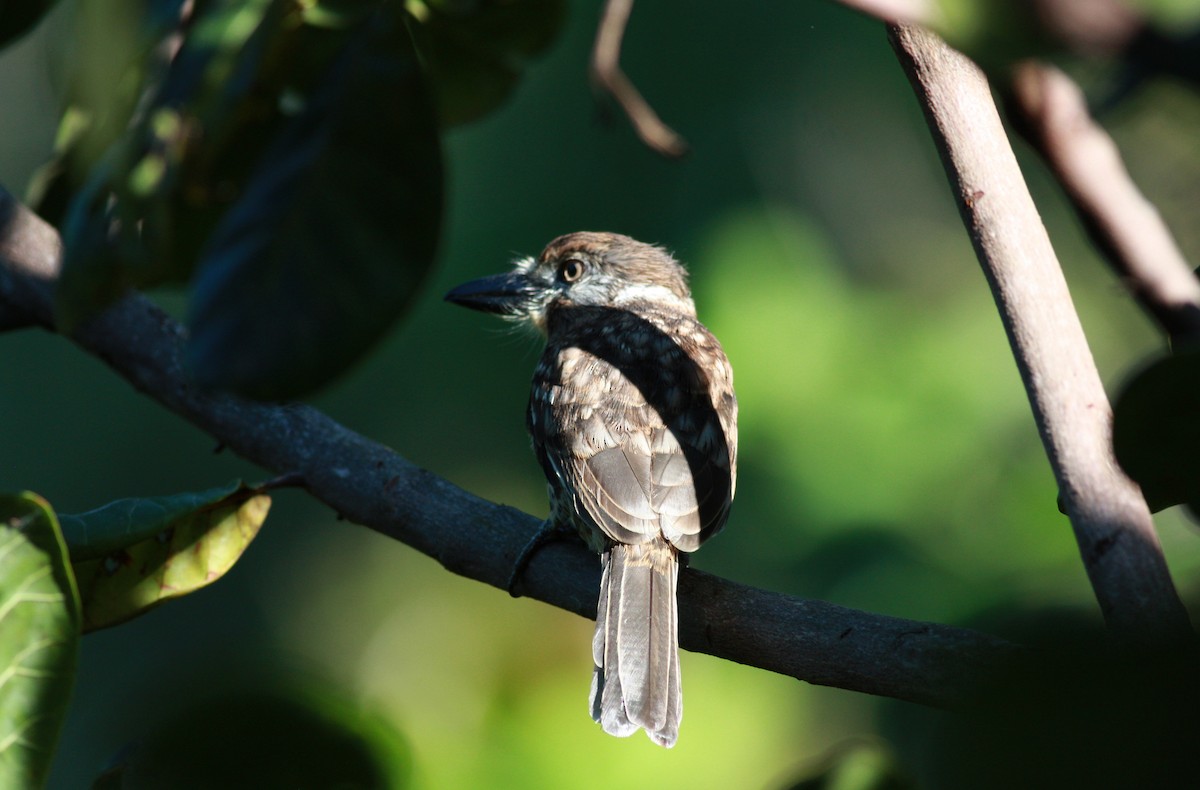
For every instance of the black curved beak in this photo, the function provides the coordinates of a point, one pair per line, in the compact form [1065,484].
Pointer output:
[499,293]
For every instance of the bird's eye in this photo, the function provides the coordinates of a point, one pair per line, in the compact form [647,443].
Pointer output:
[571,270]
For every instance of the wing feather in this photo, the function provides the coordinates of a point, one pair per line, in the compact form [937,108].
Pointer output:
[646,444]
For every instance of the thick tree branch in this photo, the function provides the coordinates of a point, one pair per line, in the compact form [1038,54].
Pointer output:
[607,74]
[369,484]
[1125,226]
[1112,523]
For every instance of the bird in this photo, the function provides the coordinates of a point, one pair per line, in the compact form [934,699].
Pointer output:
[633,418]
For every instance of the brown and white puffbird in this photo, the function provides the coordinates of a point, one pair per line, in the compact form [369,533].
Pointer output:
[634,420]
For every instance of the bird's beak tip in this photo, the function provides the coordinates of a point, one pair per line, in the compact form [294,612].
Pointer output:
[499,293]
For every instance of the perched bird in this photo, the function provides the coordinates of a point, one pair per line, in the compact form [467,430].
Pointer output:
[634,421]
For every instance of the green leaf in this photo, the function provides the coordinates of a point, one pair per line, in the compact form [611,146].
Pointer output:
[338,14]
[39,638]
[53,183]
[291,171]
[94,266]
[476,51]
[148,204]
[1156,430]
[334,232]
[212,118]
[111,47]
[134,554]
[124,522]
[20,17]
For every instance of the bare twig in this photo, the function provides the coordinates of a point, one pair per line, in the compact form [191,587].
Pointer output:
[1121,222]
[369,484]
[1112,523]
[607,74]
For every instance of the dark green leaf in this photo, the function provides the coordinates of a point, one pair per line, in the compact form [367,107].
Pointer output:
[339,14]
[52,185]
[134,554]
[39,638]
[111,49]
[147,207]
[97,254]
[292,171]
[1156,430]
[122,523]
[477,50]
[334,233]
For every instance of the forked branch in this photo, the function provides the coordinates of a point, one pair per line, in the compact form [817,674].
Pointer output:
[1111,520]
[1121,222]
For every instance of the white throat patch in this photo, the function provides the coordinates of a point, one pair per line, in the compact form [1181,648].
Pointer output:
[654,293]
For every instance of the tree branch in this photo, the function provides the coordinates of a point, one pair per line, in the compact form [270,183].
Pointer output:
[607,74]
[1111,29]
[26,238]
[1126,227]
[369,484]
[1112,523]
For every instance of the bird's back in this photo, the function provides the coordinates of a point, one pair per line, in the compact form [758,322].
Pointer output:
[632,410]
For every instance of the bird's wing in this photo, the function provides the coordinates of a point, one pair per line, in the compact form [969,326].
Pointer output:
[640,448]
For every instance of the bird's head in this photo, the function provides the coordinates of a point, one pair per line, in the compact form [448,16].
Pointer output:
[581,269]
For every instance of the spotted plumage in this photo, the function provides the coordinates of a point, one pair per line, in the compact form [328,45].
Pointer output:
[634,421]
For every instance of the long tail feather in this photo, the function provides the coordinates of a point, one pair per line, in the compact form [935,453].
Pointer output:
[635,649]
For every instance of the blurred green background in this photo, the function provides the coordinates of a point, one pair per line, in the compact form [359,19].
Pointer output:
[888,458]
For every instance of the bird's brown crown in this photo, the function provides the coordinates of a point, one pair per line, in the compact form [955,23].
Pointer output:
[622,258]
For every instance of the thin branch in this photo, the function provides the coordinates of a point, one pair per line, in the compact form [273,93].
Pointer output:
[1125,226]
[1112,523]
[371,485]
[607,74]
